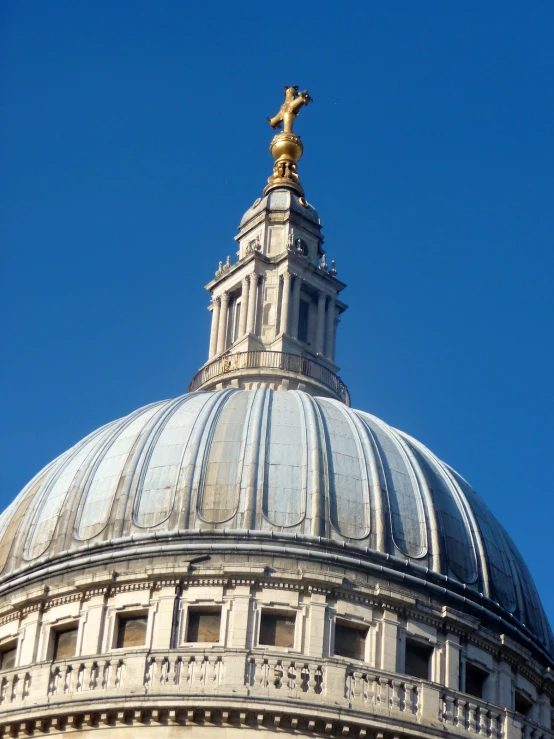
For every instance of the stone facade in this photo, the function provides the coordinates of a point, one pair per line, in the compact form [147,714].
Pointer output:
[315,684]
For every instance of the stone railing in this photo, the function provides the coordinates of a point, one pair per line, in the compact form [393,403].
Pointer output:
[287,675]
[377,692]
[324,689]
[270,361]
[465,713]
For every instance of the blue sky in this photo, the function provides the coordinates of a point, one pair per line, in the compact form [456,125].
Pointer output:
[133,139]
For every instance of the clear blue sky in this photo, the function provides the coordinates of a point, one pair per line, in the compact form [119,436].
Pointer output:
[133,139]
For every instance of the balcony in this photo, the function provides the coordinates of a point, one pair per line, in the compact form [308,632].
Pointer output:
[263,363]
[245,689]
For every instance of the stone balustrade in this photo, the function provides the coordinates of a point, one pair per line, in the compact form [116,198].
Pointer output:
[330,684]
[242,362]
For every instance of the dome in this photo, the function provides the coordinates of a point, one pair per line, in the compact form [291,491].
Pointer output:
[281,200]
[262,465]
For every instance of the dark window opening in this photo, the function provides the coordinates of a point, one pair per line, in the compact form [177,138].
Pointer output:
[522,705]
[7,658]
[475,680]
[418,660]
[65,644]
[131,631]
[203,625]
[277,630]
[237,322]
[350,641]
[303,316]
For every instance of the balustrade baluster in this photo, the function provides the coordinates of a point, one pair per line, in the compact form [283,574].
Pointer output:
[483,722]
[449,709]
[117,674]
[177,670]
[357,691]
[277,673]
[461,718]
[13,694]
[383,691]
[395,700]
[68,678]
[312,678]
[472,717]
[299,667]
[26,685]
[408,702]
[495,718]
[259,673]
[211,673]
[80,677]
[370,692]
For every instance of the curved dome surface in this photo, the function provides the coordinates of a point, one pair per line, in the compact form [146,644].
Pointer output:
[269,461]
[281,200]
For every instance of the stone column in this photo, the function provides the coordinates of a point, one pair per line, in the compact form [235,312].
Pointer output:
[163,616]
[545,710]
[320,323]
[29,632]
[240,637]
[284,319]
[505,681]
[330,328]
[452,661]
[243,306]
[215,323]
[93,623]
[296,285]
[389,637]
[222,330]
[337,321]
[316,628]
[252,299]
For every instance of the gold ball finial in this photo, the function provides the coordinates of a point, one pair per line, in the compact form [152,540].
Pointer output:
[286,147]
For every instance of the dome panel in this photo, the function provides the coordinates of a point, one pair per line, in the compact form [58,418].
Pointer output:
[285,471]
[221,472]
[408,526]
[53,491]
[499,577]
[347,478]
[458,543]
[162,460]
[100,483]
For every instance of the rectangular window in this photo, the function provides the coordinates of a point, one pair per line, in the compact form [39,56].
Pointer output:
[303,316]
[418,660]
[475,680]
[522,704]
[65,644]
[350,640]
[131,631]
[7,658]
[203,625]
[277,629]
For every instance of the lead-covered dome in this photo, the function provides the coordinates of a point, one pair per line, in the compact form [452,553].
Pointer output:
[275,464]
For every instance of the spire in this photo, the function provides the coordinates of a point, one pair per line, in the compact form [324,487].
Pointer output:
[286,147]
[276,310]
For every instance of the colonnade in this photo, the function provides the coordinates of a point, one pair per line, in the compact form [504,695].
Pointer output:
[220,314]
[326,319]
[288,322]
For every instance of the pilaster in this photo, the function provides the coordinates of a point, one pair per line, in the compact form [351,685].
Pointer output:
[389,639]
